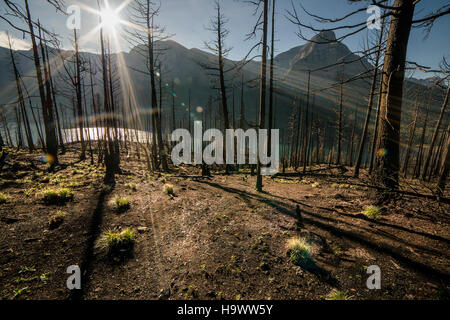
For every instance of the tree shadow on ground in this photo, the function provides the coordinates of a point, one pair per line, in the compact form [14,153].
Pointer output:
[361,235]
[92,236]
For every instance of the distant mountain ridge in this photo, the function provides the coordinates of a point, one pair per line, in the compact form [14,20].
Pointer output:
[182,67]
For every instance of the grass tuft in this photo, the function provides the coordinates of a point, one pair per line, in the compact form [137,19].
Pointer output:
[299,252]
[57,196]
[121,204]
[168,189]
[119,242]
[336,295]
[372,212]
[3,198]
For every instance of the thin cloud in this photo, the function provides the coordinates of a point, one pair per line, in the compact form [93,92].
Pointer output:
[16,43]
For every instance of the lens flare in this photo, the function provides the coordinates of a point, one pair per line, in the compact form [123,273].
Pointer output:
[47,158]
[110,18]
[382,152]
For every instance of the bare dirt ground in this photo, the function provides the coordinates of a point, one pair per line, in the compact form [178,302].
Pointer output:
[216,238]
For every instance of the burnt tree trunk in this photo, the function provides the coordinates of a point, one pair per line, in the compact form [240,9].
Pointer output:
[387,162]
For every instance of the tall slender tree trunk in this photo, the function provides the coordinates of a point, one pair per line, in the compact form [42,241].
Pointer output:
[78,94]
[387,162]
[154,106]
[421,143]
[373,148]
[412,132]
[47,112]
[339,136]
[369,107]
[445,166]
[55,105]
[21,103]
[271,93]
[262,96]
[305,131]
[435,134]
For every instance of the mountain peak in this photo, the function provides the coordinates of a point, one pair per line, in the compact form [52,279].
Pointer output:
[324,36]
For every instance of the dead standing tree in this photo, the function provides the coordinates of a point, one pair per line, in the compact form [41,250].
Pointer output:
[376,67]
[74,77]
[24,15]
[386,171]
[260,25]
[218,69]
[143,35]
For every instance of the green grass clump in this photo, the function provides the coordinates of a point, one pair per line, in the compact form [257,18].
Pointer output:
[286,181]
[168,189]
[315,185]
[121,204]
[372,212]
[57,219]
[299,252]
[119,242]
[19,292]
[336,295]
[57,196]
[3,198]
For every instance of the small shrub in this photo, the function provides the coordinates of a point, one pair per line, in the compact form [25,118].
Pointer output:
[168,189]
[56,220]
[336,295]
[315,185]
[121,204]
[372,212]
[58,196]
[299,252]
[3,198]
[119,242]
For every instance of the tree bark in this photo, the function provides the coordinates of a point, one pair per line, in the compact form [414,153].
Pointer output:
[262,95]
[387,160]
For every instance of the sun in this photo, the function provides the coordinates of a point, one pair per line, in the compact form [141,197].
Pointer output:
[109,19]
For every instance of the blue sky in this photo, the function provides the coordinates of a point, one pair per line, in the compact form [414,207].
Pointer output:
[186,19]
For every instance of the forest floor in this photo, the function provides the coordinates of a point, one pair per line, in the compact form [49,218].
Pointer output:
[216,237]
